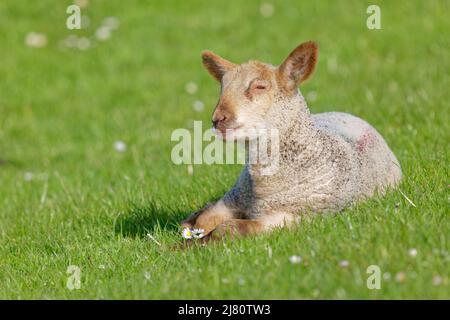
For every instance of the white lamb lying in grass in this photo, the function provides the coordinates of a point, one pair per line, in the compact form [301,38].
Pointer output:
[327,161]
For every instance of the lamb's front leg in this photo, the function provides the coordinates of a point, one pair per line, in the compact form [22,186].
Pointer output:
[209,217]
[244,227]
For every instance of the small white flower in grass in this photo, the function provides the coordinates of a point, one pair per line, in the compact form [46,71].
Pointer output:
[190,169]
[266,10]
[36,40]
[70,42]
[198,233]
[387,276]
[83,43]
[295,259]
[341,293]
[81,3]
[111,22]
[103,33]
[225,281]
[186,233]
[198,105]
[191,87]
[28,176]
[120,146]
[437,280]
[147,276]
[412,252]
[344,263]
[102,266]
[241,281]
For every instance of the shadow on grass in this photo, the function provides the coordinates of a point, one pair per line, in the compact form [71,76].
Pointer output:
[140,220]
[11,163]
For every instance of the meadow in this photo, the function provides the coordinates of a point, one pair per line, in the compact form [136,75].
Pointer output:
[86,178]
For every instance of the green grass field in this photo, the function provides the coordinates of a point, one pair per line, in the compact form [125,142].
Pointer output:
[67,197]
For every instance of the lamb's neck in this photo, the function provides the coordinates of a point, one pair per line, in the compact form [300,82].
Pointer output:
[296,133]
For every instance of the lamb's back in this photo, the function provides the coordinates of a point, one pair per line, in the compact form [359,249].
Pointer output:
[377,165]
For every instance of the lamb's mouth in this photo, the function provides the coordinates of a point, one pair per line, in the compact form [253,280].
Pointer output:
[226,132]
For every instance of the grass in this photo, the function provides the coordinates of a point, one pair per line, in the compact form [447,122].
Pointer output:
[87,205]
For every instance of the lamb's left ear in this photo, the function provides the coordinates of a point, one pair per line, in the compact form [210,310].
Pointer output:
[299,65]
[216,65]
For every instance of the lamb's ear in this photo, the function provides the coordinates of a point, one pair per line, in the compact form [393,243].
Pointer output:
[216,65]
[299,65]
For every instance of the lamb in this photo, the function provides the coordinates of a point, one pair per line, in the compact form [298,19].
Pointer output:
[327,161]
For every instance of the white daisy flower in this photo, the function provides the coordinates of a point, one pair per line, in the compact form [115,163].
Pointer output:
[36,40]
[198,233]
[266,10]
[198,105]
[295,259]
[344,263]
[120,146]
[186,233]
[70,42]
[111,22]
[28,176]
[83,43]
[412,252]
[81,3]
[437,280]
[103,33]
[191,87]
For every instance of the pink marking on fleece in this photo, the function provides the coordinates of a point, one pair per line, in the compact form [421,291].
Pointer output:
[365,141]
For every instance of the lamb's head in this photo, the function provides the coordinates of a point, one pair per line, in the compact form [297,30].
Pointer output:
[249,91]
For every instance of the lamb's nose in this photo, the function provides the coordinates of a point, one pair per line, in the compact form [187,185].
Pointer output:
[216,120]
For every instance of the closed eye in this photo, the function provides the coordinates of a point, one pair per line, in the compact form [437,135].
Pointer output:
[259,84]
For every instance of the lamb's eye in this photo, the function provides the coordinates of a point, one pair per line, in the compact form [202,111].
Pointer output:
[259,85]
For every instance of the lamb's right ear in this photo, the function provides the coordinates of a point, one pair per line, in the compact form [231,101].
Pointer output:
[216,65]
[299,65]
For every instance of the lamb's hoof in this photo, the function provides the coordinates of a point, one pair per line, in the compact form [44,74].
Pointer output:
[226,230]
